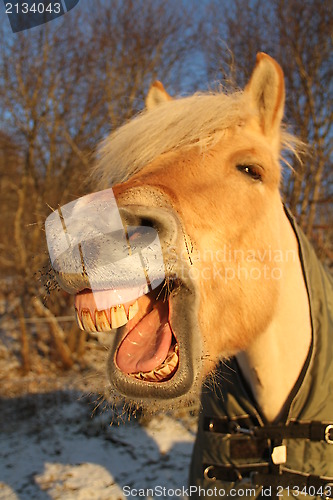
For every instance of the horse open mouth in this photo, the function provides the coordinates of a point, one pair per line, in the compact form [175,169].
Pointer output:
[148,348]
[130,280]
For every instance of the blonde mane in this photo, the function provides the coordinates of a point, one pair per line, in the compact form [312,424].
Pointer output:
[198,120]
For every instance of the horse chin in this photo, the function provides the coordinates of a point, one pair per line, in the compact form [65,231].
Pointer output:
[155,356]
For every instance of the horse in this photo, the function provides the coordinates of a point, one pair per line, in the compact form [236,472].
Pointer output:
[236,295]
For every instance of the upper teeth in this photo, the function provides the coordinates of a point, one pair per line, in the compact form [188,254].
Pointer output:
[100,322]
[118,316]
[133,309]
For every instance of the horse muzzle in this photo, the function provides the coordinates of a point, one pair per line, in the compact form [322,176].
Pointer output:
[122,264]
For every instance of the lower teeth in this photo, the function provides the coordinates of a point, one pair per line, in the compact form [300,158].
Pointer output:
[160,373]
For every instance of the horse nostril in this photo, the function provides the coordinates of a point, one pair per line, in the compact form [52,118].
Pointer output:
[146,222]
[141,236]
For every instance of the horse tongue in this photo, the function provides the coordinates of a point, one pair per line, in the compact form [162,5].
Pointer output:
[147,345]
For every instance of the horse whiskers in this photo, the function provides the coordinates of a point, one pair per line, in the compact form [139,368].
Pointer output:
[99,400]
[102,404]
[206,357]
[213,382]
[51,208]
[170,288]
[40,224]
[187,249]
[46,276]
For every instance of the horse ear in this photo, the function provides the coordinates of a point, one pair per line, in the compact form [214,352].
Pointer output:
[156,95]
[266,87]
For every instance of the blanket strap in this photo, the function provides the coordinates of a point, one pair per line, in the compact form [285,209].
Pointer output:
[315,431]
[258,442]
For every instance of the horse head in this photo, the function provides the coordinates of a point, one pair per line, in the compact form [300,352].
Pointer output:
[195,206]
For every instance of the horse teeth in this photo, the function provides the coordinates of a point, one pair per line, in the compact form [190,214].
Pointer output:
[87,322]
[173,359]
[118,316]
[166,370]
[101,321]
[159,374]
[133,310]
[77,317]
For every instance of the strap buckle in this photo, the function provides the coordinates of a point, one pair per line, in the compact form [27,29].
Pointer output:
[328,438]
[243,430]
[207,471]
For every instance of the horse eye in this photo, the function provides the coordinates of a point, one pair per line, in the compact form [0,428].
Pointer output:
[252,171]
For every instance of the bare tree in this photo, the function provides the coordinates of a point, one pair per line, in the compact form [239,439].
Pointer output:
[62,88]
[299,34]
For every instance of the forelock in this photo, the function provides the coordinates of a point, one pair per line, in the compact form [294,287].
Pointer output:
[198,120]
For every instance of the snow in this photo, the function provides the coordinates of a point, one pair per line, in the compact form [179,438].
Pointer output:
[52,447]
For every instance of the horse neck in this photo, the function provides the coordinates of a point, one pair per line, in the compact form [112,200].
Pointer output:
[273,362]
